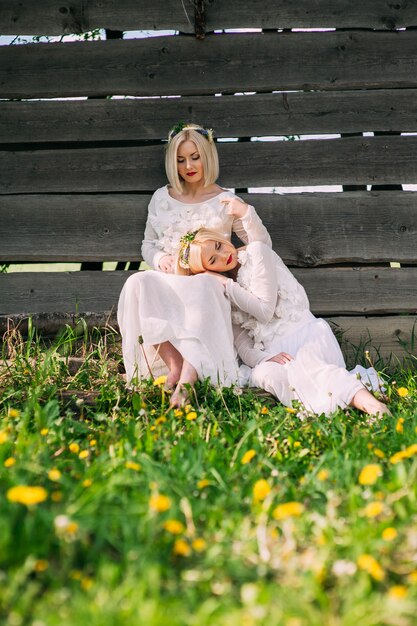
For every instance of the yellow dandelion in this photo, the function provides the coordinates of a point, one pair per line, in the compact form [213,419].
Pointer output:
[24,494]
[161,380]
[9,462]
[54,474]
[323,474]
[84,454]
[178,413]
[188,408]
[181,548]
[389,534]
[373,509]
[14,413]
[132,465]
[159,503]
[398,457]
[191,415]
[199,544]
[412,577]
[203,483]
[264,410]
[160,420]
[288,509]
[86,583]
[3,436]
[290,409]
[397,592]
[248,456]
[411,450]
[370,446]
[74,447]
[369,564]
[44,432]
[402,392]
[370,474]
[297,444]
[260,490]
[174,526]
[379,453]
[87,483]
[93,442]
[40,565]
[399,425]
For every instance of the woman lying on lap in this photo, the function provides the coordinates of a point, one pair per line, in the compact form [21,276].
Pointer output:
[294,355]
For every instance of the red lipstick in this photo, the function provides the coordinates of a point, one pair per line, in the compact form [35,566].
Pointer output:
[229,260]
[191,173]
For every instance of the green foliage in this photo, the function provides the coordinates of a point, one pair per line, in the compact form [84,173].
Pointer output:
[147,515]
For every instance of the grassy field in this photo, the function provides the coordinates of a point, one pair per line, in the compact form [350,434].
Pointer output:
[233,512]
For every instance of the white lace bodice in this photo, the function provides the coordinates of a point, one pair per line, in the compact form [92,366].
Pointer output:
[267,299]
[169,219]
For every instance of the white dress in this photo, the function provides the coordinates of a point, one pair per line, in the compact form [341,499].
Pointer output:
[191,312]
[271,314]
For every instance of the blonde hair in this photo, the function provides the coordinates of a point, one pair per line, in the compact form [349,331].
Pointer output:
[195,262]
[206,149]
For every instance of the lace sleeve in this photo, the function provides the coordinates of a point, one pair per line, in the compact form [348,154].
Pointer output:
[250,355]
[256,295]
[151,253]
[250,228]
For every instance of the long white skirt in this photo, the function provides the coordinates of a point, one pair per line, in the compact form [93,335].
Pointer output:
[317,377]
[191,312]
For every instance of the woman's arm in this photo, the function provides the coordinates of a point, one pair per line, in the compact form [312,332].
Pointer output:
[259,299]
[151,253]
[247,224]
[244,345]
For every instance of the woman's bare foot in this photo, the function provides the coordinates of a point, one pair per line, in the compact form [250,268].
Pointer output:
[366,402]
[181,395]
[173,360]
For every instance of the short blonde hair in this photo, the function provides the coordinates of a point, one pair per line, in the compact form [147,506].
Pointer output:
[195,261]
[206,149]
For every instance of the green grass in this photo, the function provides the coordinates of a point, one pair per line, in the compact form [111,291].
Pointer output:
[98,551]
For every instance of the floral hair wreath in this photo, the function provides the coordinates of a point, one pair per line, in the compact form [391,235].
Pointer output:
[184,252]
[205,132]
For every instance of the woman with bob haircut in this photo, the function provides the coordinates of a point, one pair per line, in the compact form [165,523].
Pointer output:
[295,355]
[181,325]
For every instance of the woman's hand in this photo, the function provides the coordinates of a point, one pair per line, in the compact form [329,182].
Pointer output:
[235,207]
[282,358]
[222,279]
[167,264]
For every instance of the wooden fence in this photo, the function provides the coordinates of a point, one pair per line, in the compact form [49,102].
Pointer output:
[76,175]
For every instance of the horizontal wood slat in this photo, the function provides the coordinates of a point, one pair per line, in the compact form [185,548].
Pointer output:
[353,160]
[307,229]
[54,17]
[331,291]
[230,116]
[219,63]
[389,337]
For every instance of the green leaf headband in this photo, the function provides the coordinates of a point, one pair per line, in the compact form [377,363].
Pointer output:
[175,130]
[184,252]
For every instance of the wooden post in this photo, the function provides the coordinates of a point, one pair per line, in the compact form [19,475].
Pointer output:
[199,19]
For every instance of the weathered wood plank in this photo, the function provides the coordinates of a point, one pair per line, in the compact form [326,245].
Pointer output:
[230,116]
[331,291]
[391,338]
[353,160]
[388,337]
[307,229]
[220,63]
[54,17]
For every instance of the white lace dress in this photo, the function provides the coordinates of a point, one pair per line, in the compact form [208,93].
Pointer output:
[191,312]
[271,314]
